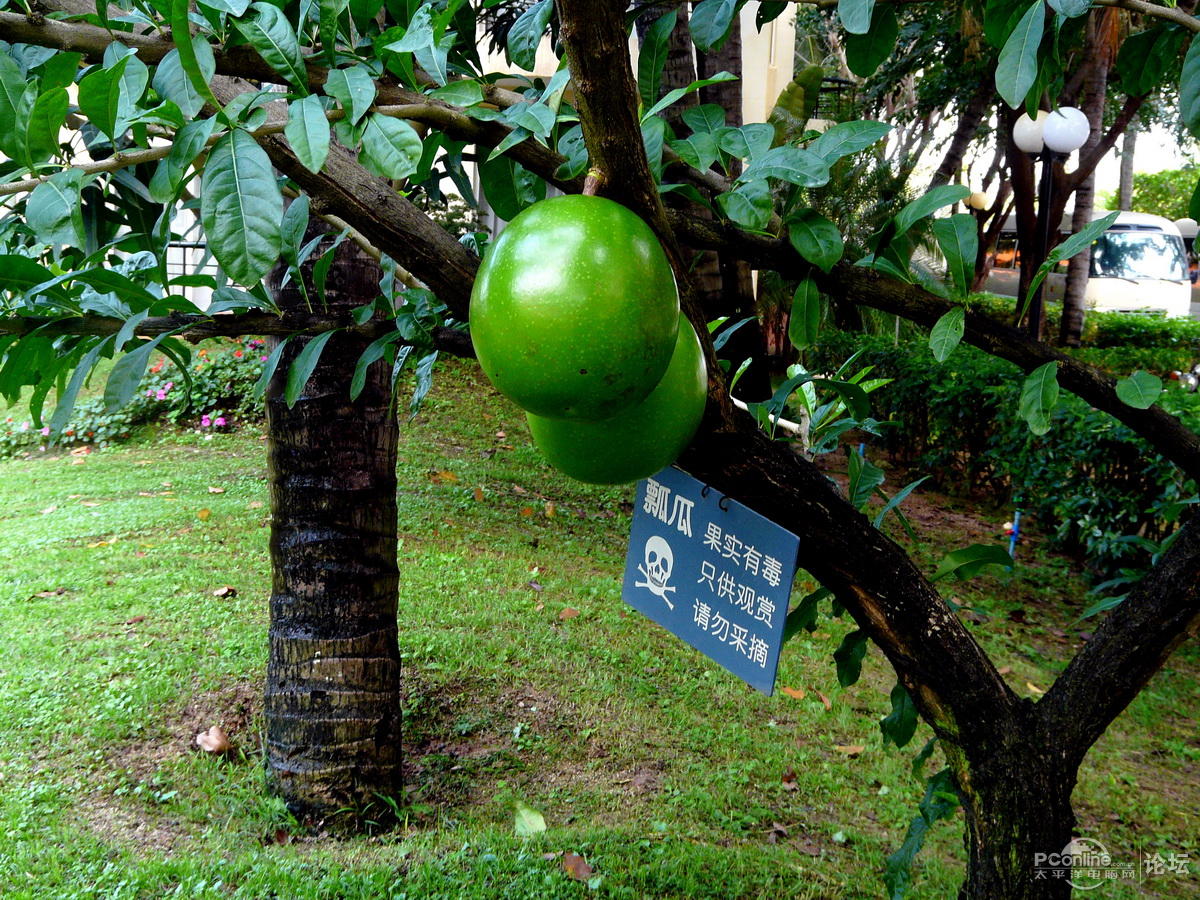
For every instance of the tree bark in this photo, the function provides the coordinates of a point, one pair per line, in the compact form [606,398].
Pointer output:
[1128,151]
[969,121]
[333,675]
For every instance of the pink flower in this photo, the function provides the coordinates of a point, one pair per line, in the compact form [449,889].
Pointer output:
[262,359]
[168,385]
[24,426]
[205,421]
[46,429]
[219,421]
[161,395]
[150,392]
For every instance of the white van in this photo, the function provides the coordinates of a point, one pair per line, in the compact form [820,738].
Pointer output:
[1138,265]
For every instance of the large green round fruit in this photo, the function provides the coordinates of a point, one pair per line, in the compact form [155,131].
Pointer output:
[641,440]
[574,311]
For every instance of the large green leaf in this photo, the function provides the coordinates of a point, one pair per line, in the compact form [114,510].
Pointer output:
[509,187]
[846,138]
[1189,88]
[192,64]
[101,98]
[169,176]
[866,52]
[15,103]
[652,57]
[958,239]
[1039,394]
[302,368]
[849,657]
[946,333]
[172,81]
[900,724]
[791,164]
[54,211]
[804,324]
[241,208]
[815,238]
[927,204]
[307,131]
[1016,69]
[66,398]
[672,96]
[46,118]
[126,373]
[856,15]
[711,21]
[1076,243]
[1140,390]
[354,89]
[390,147]
[970,561]
[271,34]
[526,33]
[749,204]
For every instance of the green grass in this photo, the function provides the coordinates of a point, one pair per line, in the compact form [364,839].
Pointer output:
[665,773]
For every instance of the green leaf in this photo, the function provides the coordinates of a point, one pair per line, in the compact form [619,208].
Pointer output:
[293,228]
[750,204]
[856,15]
[1140,390]
[1076,243]
[527,821]
[508,187]
[126,373]
[790,164]
[41,130]
[928,204]
[374,352]
[815,238]
[66,397]
[302,367]
[390,147]
[1016,69]
[354,89]
[20,273]
[269,367]
[652,57]
[192,65]
[846,138]
[970,561]
[749,141]
[867,52]
[804,616]
[1189,88]
[900,724]
[54,210]
[804,325]
[947,332]
[864,478]
[459,93]
[241,208]
[958,239]
[100,98]
[307,132]
[171,171]
[172,81]
[849,657]
[1039,394]
[526,33]
[673,96]
[940,802]
[271,34]
[1070,8]
[895,501]
[711,21]
[708,118]
[15,103]
[327,27]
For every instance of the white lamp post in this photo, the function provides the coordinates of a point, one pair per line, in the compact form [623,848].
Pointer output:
[1050,136]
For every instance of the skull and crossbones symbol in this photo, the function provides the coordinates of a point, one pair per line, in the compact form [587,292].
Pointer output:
[657,569]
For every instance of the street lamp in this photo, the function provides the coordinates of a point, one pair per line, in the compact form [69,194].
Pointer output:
[1049,136]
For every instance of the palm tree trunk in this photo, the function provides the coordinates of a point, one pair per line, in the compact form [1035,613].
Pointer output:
[333,675]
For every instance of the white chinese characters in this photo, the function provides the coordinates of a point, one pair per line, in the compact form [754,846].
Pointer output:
[669,510]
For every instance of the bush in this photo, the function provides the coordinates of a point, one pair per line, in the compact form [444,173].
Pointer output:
[222,378]
[1089,482]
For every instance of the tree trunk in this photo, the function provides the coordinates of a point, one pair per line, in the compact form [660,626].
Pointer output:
[1095,88]
[333,675]
[1128,149]
[968,124]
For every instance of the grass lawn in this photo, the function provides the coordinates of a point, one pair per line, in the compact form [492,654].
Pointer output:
[526,681]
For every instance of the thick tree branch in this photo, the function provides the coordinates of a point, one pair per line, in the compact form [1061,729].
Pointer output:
[1088,163]
[1127,649]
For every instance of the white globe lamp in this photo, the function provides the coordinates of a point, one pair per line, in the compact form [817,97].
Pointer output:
[977,200]
[1027,132]
[1066,129]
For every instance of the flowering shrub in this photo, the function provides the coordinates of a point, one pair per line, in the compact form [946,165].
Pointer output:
[222,377]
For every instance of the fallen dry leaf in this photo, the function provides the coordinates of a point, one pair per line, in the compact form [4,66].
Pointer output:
[551,509]
[850,749]
[527,511]
[517,489]
[81,451]
[502,435]
[539,607]
[1033,687]
[443,476]
[216,490]
[824,700]
[789,780]
[135,620]
[48,510]
[95,544]
[552,856]
[576,866]
[203,514]
[478,495]
[214,741]
[794,693]
[88,503]
[536,585]
[255,504]
[568,612]
[1004,670]
[226,591]
[776,832]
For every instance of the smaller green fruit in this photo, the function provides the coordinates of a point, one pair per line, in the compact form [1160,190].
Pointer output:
[640,440]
